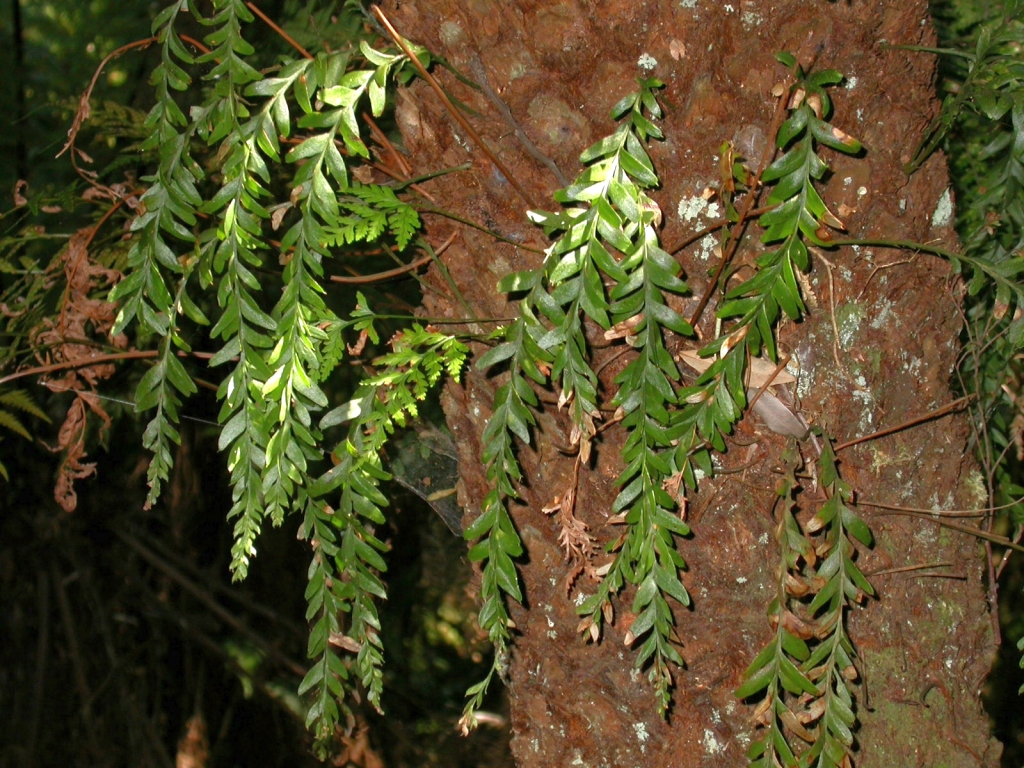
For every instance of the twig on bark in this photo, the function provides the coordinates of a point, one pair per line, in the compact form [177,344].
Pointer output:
[477,68]
[500,166]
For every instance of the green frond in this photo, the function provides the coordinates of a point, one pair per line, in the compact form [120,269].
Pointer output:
[277,359]
[607,213]
[805,673]
[210,228]
[343,574]
[20,399]
[10,422]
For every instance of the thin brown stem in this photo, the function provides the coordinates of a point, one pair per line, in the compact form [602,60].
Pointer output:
[135,354]
[936,512]
[908,568]
[768,383]
[480,228]
[977,532]
[934,414]
[714,227]
[389,273]
[287,38]
[500,166]
[477,68]
[377,277]
[382,139]
[83,101]
[755,191]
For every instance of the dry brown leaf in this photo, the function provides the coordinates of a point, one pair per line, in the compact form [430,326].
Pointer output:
[344,642]
[761,714]
[759,370]
[832,221]
[814,525]
[626,328]
[778,416]
[794,726]
[814,102]
[797,626]
[71,440]
[796,586]
[813,712]
[844,137]
[357,349]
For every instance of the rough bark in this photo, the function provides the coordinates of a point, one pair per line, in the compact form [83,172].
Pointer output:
[926,643]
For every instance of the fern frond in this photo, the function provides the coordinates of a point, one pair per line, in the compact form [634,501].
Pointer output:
[608,212]
[832,663]
[161,387]
[800,215]
[11,423]
[776,671]
[806,671]
[168,207]
[20,399]
[346,560]
[496,536]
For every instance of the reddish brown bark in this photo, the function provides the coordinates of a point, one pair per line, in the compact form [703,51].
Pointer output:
[926,643]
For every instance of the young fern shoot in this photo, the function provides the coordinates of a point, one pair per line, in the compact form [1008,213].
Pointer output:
[346,553]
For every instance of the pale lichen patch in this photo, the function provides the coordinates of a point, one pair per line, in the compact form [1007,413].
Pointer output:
[848,320]
[646,61]
[641,735]
[707,247]
[751,19]
[712,745]
[943,210]
[977,491]
[882,314]
[695,206]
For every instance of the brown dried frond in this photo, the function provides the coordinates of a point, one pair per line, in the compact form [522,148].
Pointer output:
[574,536]
[794,726]
[71,338]
[357,752]
[71,440]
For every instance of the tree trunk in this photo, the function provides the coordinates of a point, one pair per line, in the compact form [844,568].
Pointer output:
[878,348]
